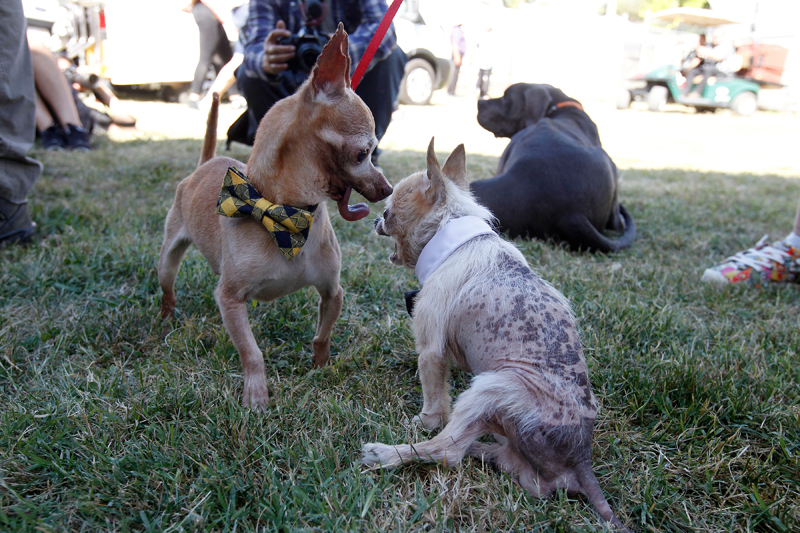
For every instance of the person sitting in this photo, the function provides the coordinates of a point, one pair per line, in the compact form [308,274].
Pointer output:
[718,59]
[265,76]
[57,119]
[692,65]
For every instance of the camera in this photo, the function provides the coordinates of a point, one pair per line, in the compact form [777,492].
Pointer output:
[308,42]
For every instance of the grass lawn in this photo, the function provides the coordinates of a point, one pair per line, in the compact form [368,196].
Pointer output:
[107,426]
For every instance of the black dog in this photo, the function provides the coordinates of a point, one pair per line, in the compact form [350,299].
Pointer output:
[554,179]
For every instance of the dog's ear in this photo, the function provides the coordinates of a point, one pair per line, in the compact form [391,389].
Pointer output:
[537,101]
[331,74]
[455,167]
[433,185]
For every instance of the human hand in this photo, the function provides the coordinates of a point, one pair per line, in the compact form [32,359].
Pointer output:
[277,55]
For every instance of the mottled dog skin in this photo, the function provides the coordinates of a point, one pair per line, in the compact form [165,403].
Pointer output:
[485,310]
[311,146]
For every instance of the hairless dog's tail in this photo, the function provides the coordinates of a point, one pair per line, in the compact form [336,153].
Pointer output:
[580,233]
[210,141]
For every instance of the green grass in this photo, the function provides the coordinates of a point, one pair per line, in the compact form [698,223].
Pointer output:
[107,426]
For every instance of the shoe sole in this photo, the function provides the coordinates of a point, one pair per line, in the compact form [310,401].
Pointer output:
[20,236]
[714,276]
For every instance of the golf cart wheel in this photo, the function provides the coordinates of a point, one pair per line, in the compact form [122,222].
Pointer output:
[417,85]
[744,104]
[623,99]
[656,98]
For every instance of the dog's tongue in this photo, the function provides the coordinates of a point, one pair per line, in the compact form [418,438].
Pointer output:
[351,213]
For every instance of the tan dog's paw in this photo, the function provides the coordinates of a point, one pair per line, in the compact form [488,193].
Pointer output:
[430,421]
[322,353]
[256,394]
[380,455]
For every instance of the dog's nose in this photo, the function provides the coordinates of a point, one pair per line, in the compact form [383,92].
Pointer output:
[377,221]
[386,190]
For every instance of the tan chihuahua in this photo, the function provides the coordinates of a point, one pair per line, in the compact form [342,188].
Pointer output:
[309,147]
[482,307]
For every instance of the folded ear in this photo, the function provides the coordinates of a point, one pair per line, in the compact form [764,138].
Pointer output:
[537,100]
[435,182]
[455,167]
[331,74]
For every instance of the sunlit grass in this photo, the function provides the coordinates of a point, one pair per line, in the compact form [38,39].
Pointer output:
[107,426]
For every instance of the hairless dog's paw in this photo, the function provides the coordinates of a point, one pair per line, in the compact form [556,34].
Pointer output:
[380,455]
[430,422]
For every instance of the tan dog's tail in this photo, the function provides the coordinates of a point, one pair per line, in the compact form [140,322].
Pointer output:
[210,141]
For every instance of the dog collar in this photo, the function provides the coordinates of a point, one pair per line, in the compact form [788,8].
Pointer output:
[289,226]
[446,241]
[566,103]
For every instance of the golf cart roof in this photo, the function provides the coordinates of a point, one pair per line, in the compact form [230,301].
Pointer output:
[693,15]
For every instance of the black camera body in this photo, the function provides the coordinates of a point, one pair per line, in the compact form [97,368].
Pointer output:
[308,45]
[308,42]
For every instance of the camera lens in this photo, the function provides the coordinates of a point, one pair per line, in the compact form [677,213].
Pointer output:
[306,55]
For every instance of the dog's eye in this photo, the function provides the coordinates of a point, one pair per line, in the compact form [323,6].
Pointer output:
[362,155]
[385,214]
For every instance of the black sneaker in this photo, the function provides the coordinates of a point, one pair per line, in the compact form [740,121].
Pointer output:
[15,224]
[53,138]
[77,138]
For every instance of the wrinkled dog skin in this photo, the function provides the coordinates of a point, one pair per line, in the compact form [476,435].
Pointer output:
[485,310]
[309,147]
[554,180]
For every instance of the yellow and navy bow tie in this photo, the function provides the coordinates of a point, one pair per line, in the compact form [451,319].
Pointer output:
[288,225]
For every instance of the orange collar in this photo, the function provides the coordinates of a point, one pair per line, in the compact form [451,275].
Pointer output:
[568,103]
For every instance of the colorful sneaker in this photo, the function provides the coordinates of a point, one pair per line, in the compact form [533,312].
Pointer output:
[53,138]
[77,138]
[765,263]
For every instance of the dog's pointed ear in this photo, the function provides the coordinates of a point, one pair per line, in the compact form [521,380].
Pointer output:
[455,167]
[331,74]
[434,184]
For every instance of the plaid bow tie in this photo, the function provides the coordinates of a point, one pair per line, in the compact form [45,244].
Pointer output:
[288,225]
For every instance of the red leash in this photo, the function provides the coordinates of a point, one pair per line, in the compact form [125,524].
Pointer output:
[375,43]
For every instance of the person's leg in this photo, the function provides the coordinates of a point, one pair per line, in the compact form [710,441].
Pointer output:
[224,80]
[222,50]
[260,96]
[379,89]
[52,85]
[50,133]
[44,119]
[451,89]
[208,25]
[18,172]
[690,76]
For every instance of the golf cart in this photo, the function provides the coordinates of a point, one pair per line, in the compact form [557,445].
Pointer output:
[737,92]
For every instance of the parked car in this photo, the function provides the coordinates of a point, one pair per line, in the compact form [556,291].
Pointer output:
[427,47]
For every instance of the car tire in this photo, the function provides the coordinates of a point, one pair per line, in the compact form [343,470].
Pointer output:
[656,98]
[744,104]
[623,99]
[418,83]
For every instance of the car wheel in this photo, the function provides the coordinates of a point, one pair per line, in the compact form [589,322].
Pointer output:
[744,104]
[417,85]
[623,99]
[656,98]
